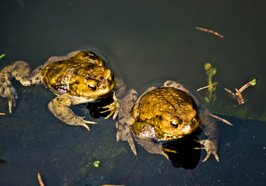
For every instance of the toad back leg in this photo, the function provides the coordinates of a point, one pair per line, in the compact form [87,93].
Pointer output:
[59,106]
[211,131]
[20,70]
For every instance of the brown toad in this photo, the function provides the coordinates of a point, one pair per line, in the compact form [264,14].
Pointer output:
[79,77]
[163,114]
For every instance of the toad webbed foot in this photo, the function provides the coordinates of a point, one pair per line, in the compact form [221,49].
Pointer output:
[11,94]
[211,149]
[111,108]
[211,132]
[7,90]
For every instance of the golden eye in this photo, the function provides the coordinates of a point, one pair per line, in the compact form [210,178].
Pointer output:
[92,87]
[174,124]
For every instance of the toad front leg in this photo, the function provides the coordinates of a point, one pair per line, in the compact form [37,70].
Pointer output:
[113,108]
[20,70]
[59,106]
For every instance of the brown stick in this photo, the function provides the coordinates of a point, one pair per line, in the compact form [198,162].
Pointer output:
[238,92]
[202,88]
[239,97]
[210,32]
[40,179]
[221,119]
[251,83]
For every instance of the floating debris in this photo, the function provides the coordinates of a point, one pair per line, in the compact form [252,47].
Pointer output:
[2,114]
[211,87]
[221,119]
[238,92]
[205,87]
[40,179]
[2,56]
[210,32]
[96,164]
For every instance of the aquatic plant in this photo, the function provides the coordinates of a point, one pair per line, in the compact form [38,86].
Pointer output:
[211,87]
[96,164]
[218,106]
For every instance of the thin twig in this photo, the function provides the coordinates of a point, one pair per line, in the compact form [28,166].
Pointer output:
[248,84]
[239,97]
[40,179]
[212,85]
[230,92]
[202,88]
[210,32]
[238,92]
[221,119]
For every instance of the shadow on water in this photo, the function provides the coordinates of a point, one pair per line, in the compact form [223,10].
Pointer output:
[147,42]
[185,155]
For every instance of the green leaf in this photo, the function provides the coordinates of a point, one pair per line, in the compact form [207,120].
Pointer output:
[253,82]
[96,164]
[2,56]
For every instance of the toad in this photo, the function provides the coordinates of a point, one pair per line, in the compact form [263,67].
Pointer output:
[79,77]
[163,114]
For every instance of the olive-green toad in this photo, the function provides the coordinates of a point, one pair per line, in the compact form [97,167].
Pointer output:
[79,77]
[163,114]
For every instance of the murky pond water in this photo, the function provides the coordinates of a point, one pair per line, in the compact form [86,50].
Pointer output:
[146,43]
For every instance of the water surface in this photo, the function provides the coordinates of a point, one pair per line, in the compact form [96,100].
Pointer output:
[146,43]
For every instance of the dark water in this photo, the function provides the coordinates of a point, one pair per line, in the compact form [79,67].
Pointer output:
[146,42]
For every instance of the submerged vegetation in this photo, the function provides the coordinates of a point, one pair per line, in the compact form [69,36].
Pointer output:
[96,164]
[210,71]
[217,105]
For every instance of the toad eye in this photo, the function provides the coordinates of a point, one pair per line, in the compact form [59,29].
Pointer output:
[92,84]
[174,124]
[92,87]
